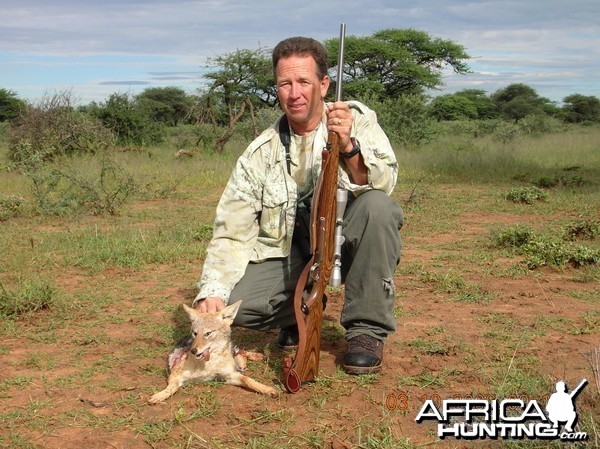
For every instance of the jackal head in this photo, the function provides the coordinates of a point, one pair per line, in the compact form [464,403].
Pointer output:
[211,331]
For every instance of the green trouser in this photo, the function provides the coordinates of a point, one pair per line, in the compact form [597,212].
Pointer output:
[370,255]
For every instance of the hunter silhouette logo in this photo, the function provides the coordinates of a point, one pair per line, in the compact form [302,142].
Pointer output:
[507,418]
[560,406]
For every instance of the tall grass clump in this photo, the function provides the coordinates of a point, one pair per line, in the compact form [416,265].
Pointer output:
[11,206]
[486,153]
[30,295]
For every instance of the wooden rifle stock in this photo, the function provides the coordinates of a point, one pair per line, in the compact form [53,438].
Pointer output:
[310,289]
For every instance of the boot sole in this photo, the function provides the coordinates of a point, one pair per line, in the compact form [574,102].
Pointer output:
[358,370]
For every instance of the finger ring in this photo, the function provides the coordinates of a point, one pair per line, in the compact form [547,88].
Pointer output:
[339,121]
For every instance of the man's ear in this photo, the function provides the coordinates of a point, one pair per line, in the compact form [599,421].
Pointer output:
[228,313]
[325,82]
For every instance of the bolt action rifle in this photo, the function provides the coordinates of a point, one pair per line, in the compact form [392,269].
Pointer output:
[325,240]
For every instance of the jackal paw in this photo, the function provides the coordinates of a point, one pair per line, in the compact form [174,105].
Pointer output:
[272,392]
[158,397]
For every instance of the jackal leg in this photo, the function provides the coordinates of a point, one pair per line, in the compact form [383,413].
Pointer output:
[244,381]
[173,385]
[176,379]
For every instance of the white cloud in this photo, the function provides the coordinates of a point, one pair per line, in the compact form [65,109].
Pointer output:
[532,41]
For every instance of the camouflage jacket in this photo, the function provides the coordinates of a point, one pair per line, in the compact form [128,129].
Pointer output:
[256,213]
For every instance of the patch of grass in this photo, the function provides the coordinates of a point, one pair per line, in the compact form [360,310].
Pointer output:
[430,347]
[11,206]
[459,289]
[18,382]
[449,282]
[31,295]
[428,379]
[515,380]
[590,324]
[155,431]
[380,435]
[474,295]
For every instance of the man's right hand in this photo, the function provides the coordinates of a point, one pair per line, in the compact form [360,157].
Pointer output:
[210,304]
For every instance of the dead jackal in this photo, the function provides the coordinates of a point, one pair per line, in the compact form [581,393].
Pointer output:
[210,355]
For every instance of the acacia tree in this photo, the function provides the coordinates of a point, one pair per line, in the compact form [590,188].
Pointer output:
[243,80]
[166,104]
[387,66]
[464,104]
[581,108]
[11,106]
[452,107]
[393,62]
[518,100]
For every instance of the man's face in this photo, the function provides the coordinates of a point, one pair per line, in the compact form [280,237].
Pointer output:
[301,92]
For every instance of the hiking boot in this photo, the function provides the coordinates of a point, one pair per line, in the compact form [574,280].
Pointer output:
[288,338]
[363,355]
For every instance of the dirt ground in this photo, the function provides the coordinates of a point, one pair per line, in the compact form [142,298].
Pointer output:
[535,331]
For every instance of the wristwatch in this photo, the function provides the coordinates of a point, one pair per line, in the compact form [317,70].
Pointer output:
[354,151]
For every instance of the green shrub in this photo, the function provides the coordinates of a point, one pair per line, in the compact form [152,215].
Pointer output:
[405,120]
[544,251]
[52,129]
[554,253]
[538,124]
[63,190]
[505,132]
[555,181]
[526,195]
[515,237]
[129,120]
[583,229]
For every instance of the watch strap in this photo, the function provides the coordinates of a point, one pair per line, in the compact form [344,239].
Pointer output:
[354,151]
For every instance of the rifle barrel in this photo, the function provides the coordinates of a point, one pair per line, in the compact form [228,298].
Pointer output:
[340,68]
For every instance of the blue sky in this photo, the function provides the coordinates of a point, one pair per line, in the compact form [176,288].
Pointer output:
[98,47]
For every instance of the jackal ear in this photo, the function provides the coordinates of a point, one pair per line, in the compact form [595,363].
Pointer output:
[228,313]
[190,311]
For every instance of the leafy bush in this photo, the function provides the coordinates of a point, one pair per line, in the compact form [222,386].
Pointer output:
[459,127]
[551,181]
[583,229]
[405,119]
[540,252]
[62,190]
[52,129]
[538,124]
[505,132]
[544,251]
[526,195]
[130,120]
[515,237]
